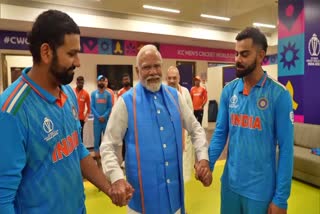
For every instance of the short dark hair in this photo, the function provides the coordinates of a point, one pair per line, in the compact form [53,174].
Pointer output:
[50,27]
[125,75]
[256,35]
[79,78]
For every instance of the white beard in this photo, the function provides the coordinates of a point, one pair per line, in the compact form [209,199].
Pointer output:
[152,86]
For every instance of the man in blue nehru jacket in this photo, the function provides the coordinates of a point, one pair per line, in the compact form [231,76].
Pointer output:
[150,118]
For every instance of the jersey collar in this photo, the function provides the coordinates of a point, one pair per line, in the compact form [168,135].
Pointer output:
[40,91]
[260,84]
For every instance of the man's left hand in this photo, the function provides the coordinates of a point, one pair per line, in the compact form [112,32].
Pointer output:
[274,209]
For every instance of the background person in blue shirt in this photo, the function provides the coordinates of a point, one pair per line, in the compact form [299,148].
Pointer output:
[256,114]
[42,158]
[101,105]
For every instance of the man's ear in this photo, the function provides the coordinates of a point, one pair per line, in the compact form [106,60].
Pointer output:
[261,55]
[46,53]
[137,71]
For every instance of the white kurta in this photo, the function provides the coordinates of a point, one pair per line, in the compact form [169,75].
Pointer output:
[188,153]
[111,144]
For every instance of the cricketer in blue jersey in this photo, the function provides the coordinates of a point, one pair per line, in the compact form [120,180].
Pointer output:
[101,105]
[42,158]
[256,114]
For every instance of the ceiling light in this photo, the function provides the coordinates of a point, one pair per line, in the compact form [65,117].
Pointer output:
[215,17]
[161,9]
[263,25]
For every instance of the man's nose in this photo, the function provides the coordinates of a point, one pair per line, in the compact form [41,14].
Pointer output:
[153,70]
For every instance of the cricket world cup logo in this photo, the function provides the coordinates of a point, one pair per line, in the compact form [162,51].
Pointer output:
[314,45]
[47,125]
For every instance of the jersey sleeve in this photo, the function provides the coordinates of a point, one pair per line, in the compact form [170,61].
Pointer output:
[83,151]
[109,106]
[219,137]
[93,105]
[284,133]
[12,161]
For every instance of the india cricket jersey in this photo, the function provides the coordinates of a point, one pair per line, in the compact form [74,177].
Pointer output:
[255,124]
[42,171]
[101,104]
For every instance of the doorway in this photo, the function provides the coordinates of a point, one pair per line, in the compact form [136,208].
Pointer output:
[12,66]
[187,70]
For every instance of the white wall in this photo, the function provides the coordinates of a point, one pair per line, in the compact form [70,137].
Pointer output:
[272,70]
[17,61]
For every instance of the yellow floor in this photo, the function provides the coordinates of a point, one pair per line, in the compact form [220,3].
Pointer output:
[304,199]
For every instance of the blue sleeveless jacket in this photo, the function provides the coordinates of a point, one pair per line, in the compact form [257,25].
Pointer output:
[154,150]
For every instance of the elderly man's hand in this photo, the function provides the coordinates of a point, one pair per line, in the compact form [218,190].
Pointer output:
[121,192]
[203,172]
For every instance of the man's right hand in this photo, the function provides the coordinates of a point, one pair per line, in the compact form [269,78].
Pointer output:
[121,192]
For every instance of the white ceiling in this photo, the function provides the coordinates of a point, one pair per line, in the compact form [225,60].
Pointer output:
[242,13]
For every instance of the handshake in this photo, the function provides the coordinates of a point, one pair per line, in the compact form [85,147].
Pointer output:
[120,192]
[203,172]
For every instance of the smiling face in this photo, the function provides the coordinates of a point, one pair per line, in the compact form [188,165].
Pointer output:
[173,77]
[65,59]
[149,69]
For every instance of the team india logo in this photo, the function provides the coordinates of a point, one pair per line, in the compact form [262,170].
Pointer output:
[263,103]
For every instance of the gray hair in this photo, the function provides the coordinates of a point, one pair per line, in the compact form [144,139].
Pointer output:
[146,48]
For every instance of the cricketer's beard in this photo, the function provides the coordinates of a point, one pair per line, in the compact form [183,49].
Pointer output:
[63,75]
[246,71]
[101,85]
[126,84]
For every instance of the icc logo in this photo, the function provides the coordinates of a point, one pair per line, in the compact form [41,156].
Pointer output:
[233,103]
[47,125]
[314,45]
